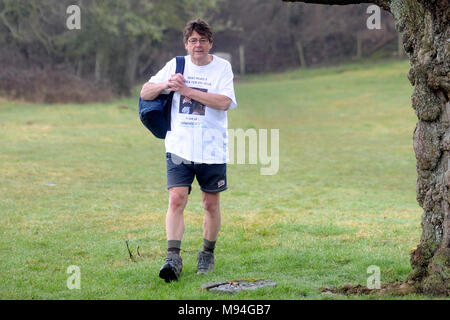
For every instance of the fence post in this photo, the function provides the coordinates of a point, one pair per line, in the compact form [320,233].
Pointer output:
[301,55]
[242,59]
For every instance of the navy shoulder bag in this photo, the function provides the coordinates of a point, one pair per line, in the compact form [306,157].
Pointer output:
[155,114]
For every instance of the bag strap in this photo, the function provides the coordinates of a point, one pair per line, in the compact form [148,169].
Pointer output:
[180,64]
[179,69]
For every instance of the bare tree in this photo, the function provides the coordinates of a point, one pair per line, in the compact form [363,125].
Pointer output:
[424,26]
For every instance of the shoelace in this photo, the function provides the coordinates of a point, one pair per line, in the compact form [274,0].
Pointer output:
[203,260]
[171,259]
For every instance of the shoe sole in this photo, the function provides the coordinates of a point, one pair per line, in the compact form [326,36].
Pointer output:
[167,274]
[204,271]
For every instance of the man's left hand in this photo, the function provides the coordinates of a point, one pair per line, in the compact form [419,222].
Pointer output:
[176,83]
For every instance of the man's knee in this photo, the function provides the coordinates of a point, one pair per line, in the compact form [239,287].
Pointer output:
[178,197]
[211,203]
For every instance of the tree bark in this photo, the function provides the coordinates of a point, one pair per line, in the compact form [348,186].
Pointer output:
[425,31]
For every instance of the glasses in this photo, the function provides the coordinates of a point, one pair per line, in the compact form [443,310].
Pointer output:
[195,40]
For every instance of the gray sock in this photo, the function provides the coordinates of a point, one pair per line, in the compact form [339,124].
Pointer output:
[209,245]
[174,246]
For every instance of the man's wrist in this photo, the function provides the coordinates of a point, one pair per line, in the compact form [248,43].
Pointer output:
[188,92]
[165,87]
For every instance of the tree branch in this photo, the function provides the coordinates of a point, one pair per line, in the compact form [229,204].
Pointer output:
[382,3]
[340,2]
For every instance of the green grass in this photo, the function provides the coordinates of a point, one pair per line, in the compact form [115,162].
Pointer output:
[343,199]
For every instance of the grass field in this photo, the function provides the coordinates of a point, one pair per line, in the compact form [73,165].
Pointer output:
[77,180]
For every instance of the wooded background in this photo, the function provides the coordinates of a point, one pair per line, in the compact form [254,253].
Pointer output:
[122,43]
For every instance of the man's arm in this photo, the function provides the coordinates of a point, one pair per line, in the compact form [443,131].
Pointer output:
[151,90]
[212,100]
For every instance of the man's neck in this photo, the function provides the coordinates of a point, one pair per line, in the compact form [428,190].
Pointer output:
[202,62]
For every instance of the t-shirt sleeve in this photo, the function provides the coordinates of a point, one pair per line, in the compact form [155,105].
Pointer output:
[165,73]
[226,86]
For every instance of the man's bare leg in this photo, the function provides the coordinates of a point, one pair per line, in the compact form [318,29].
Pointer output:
[212,220]
[178,197]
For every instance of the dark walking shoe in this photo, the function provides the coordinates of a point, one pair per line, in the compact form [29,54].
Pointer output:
[205,262]
[172,268]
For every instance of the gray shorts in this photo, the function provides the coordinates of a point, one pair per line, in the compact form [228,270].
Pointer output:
[212,178]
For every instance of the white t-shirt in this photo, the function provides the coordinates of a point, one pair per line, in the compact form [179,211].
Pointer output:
[198,132]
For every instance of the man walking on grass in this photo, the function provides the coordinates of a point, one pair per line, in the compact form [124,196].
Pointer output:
[197,144]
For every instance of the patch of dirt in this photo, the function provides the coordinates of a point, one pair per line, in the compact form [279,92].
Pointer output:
[237,285]
[396,288]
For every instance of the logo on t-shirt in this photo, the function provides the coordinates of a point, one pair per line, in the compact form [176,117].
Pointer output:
[191,106]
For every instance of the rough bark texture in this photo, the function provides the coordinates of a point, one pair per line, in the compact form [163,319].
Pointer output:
[424,27]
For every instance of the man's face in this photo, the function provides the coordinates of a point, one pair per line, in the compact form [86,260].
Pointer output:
[198,46]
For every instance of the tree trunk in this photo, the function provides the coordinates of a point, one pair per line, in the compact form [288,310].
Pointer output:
[80,67]
[400,50]
[425,30]
[242,59]
[130,69]
[358,45]
[301,55]
[100,64]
